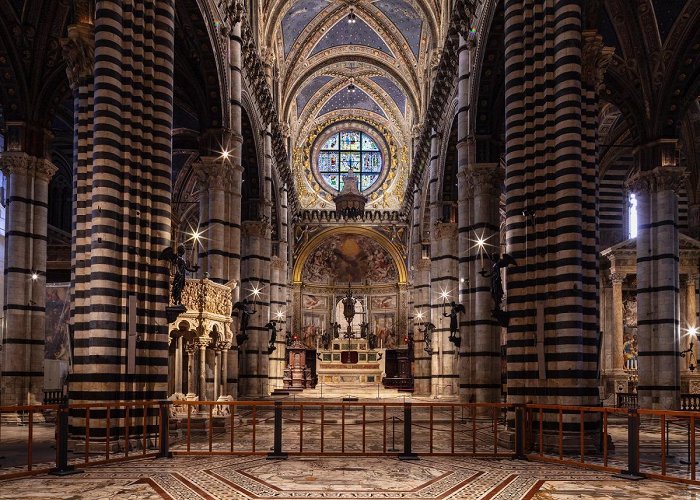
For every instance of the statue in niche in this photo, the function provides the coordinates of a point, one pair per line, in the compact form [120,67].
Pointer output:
[364,330]
[335,326]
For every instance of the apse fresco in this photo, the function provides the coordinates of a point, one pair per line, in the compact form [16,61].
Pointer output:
[350,258]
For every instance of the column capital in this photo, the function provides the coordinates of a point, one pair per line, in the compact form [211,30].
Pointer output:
[17,162]
[659,179]
[79,52]
[260,228]
[595,58]
[278,263]
[234,10]
[486,178]
[442,230]
[216,173]
[617,278]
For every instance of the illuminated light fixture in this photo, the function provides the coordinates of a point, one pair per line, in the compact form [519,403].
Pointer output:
[35,276]
[225,154]
[279,315]
[352,18]
[419,315]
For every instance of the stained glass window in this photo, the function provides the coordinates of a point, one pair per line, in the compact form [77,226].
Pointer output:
[348,150]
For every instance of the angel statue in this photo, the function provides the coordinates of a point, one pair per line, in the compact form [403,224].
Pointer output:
[181,267]
[428,337]
[272,326]
[497,291]
[244,317]
[455,309]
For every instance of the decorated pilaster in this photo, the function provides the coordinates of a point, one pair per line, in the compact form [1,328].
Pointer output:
[25,277]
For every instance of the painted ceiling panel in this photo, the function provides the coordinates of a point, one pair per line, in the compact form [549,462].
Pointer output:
[357,34]
[666,13]
[306,93]
[343,99]
[406,19]
[393,90]
[297,18]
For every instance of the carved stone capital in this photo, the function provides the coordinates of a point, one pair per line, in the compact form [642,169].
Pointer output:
[443,230]
[215,173]
[617,278]
[267,56]
[259,228]
[658,180]
[234,9]
[79,52]
[485,179]
[595,58]
[423,265]
[21,163]
[278,263]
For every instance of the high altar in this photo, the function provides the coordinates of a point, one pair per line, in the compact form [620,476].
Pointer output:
[345,267]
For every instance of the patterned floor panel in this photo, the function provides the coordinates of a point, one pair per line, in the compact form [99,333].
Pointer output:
[200,478]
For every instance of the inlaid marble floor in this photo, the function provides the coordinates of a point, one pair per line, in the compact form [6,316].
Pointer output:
[336,478]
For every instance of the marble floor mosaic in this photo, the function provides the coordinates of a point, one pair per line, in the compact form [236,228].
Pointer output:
[336,478]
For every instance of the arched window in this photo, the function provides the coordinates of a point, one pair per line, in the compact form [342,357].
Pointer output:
[632,214]
[347,150]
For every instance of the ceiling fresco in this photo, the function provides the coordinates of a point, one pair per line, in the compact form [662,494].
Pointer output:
[344,99]
[307,92]
[297,18]
[359,34]
[406,19]
[393,90]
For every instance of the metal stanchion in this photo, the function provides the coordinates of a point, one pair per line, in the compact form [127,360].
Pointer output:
[393,429]
[407,421]
[632,472]
[277,446]
[62,468]
[164,451]
[520,432]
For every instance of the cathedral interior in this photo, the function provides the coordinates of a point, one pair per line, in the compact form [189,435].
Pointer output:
[463,202]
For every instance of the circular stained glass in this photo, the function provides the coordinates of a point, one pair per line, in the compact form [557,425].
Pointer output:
[350,150]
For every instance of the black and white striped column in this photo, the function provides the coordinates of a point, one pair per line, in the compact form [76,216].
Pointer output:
[656,186]
[126,222]
[420,296]
[25,277]
[551,211]
[486,180]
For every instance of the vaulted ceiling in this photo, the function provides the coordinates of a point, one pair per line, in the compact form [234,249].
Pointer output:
[385,54]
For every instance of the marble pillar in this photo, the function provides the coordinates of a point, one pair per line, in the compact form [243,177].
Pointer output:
[22,378]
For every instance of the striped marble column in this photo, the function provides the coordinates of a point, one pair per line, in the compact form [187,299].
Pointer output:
[278,303]
[443,279]
[464,232]
[551,187]
[656,185]
[420,296]
[233,229]
[253,357]
[128,209]
[216,179]
[25,277]
[486,180]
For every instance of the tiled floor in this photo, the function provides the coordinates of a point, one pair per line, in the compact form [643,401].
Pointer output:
[336,478]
